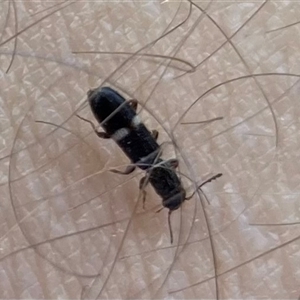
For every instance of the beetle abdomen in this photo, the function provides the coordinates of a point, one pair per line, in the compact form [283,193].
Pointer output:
[120,121]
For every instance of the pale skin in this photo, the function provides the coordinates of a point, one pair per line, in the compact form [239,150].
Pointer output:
[71,229]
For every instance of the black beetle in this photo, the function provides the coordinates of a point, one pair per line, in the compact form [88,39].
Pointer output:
[120,122]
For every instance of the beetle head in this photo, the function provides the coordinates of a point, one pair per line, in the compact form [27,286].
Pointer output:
[175,201]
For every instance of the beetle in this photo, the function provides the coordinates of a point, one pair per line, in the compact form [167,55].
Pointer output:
[121,123]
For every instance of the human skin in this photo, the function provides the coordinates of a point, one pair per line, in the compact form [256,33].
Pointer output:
[71,229]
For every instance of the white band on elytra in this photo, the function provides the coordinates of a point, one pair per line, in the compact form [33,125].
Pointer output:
[136,121]
[120,134]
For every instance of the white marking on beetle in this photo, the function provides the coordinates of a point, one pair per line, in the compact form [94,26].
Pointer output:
[136,121]
[120,134]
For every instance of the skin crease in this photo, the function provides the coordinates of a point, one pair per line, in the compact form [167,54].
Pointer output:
[71,229]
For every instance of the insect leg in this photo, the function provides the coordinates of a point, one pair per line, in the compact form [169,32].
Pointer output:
[129,169]
[154,134]
[142,186]
[133,103]
[101,134]
[173,162]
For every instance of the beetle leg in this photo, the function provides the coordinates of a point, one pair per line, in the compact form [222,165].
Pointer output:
[101,134]
[173,163]
[154,134]
[129,169]
[90,92]
[133,103]
[142,188]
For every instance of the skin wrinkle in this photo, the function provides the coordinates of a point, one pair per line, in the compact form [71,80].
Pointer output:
[70,229]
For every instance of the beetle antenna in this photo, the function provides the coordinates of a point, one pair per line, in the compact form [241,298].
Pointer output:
[169,223]
[170,227]
[203,183]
